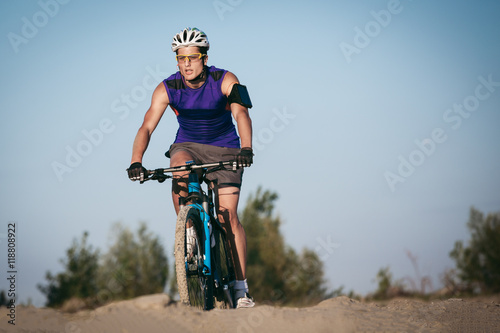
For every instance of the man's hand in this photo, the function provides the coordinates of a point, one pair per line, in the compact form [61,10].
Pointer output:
[137,172]
[245,157]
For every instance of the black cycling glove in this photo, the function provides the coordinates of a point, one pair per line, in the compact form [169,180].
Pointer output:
[137,172]
[245,157]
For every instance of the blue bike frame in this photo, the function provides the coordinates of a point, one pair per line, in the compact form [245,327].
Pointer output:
[194,188]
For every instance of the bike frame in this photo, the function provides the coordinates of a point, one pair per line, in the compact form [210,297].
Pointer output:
[195,192]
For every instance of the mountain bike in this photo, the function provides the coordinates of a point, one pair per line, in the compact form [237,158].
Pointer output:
[204,268]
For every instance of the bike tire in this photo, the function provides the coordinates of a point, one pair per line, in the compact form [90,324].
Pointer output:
[195,289]
[224,270]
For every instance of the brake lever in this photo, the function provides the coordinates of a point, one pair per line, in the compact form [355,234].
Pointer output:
[146,177]
[156,175]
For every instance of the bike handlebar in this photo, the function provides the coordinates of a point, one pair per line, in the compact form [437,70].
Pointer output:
[159,174]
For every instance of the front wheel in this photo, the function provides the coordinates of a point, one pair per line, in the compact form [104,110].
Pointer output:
[195,288]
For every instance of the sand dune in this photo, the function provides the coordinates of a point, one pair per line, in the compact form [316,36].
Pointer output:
[156,313]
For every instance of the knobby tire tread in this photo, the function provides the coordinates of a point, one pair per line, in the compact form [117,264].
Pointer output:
[180,266]
[179,254]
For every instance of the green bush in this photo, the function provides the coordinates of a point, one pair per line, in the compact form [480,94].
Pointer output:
[275,272]
[478,262]
[135,265]
[79,278]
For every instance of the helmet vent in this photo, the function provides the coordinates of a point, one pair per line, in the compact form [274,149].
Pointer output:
[190,37]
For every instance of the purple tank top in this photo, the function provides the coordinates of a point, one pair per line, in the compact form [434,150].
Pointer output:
[203,114]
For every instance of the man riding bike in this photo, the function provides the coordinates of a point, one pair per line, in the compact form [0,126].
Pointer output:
[204,99]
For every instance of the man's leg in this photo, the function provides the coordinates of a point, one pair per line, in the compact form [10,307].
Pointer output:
[227,212]
[180,181]
[180,188]
[228,217]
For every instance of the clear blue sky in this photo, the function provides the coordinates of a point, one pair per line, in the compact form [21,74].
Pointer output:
[376,122]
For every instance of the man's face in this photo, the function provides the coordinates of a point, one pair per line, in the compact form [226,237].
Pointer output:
[190,64]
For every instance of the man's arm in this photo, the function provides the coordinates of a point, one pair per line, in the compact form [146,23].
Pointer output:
[240,113]
[159,103]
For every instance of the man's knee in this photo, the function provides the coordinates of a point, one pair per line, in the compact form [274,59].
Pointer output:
[179,158]
[229,217]
[180,184]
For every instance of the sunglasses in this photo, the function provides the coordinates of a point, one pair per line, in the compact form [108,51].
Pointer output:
[189,57]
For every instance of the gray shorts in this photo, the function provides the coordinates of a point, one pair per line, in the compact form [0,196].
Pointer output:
[202,153]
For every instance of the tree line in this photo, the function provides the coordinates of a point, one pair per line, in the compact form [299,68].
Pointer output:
[136,264]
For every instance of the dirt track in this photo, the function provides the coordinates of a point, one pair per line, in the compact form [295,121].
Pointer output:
[156,313]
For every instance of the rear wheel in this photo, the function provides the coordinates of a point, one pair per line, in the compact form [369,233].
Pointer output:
[195,289]
[224,272]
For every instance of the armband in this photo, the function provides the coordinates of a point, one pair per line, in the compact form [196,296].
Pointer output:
[239,94]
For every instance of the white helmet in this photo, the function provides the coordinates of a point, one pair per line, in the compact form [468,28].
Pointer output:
[190,37]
